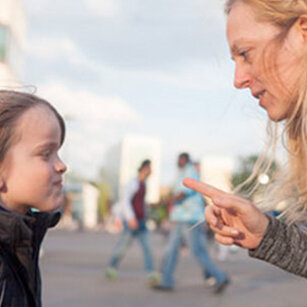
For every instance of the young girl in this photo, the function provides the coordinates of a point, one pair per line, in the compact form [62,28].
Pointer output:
[31,133]
[268,42]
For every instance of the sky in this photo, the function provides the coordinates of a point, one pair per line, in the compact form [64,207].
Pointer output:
[152,67]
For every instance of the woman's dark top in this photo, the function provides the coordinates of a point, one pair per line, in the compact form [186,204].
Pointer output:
[285,246]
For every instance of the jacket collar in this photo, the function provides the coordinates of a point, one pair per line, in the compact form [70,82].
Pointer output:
[16,228]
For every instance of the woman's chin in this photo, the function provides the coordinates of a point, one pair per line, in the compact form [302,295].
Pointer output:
[276,115]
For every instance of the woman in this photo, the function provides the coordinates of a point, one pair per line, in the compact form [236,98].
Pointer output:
[268,42]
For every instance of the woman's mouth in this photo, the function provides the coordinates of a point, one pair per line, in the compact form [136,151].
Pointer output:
[261,100]
[260,96]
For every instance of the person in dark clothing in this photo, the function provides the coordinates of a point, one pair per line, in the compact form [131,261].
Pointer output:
[132,210]
[31,133]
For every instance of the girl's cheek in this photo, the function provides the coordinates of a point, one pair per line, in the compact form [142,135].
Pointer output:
[46,170]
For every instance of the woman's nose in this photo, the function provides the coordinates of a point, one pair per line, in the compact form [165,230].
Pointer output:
[242,78]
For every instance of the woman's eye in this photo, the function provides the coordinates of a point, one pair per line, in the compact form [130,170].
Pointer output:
[244,55]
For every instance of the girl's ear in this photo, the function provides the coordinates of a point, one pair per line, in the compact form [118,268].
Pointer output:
[2,183]
[302,25]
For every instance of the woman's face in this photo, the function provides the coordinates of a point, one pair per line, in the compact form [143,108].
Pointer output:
[271,74]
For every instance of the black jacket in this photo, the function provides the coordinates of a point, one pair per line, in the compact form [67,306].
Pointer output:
[20,240]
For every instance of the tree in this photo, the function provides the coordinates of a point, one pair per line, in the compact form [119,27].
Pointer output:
[105,195]
[244,170]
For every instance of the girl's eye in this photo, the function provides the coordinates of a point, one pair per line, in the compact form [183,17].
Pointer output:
[46,154]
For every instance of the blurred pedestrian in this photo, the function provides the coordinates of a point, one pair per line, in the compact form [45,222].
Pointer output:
[132,210]
[187,210]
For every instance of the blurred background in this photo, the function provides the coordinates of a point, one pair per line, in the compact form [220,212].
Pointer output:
[136,80]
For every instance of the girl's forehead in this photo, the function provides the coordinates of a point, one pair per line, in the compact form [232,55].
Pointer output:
[37,114]
[38,122]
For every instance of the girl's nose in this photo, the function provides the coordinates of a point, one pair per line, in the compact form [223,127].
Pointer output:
[60,166]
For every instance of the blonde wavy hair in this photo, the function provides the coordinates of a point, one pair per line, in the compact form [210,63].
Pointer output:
[290,186]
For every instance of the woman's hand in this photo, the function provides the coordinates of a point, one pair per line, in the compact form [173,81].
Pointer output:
[233,219]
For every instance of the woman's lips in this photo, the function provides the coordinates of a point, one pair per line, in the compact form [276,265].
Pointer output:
[260,96]
[261,101]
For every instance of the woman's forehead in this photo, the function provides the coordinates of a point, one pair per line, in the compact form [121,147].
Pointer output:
[243,26]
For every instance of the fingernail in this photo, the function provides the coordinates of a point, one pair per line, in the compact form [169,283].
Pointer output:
[217,200]
[234,232]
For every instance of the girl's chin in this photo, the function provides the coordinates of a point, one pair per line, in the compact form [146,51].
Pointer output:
[54,206]
[57,206]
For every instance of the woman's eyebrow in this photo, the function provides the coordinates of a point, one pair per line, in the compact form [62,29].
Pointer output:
[234,49]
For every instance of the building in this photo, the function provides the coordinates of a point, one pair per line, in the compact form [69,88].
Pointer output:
[135,149]
[216,171]
[12,42]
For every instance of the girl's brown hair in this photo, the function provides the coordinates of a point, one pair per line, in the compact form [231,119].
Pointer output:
[13,105]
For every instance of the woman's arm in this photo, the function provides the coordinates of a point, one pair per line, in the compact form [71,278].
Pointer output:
[237,221]
[284,246]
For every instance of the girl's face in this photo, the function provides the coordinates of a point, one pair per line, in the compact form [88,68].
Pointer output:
[31,173]
[272,77]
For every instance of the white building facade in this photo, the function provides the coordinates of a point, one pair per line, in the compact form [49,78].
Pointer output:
[12,42]
[134,150]
[216,171]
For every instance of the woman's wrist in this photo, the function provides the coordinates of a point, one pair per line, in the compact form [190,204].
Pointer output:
[265,224]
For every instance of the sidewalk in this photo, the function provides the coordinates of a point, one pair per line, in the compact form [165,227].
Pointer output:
[73,275]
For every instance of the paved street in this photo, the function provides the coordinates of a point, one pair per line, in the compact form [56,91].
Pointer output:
[73,275]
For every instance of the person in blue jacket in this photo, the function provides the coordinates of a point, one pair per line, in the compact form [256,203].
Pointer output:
[187,210]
